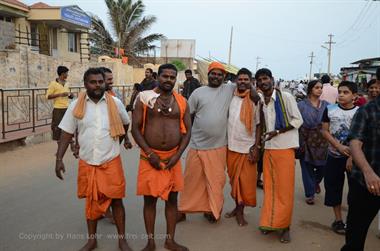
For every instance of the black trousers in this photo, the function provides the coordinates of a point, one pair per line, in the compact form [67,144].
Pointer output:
[363,208]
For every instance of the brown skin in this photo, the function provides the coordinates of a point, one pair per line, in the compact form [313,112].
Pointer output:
[148,74]
[108,79]
[266,85]
[244,83]
[346,100]
[95,90]
[162,133]
[374,91]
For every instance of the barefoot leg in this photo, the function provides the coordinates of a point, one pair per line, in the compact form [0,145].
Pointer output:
[150,218]
[240,216]
[91,242]
[171,221]
[119,217]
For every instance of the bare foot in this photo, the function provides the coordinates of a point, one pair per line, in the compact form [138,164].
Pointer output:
[210,217]
[150,246]
[240,219]
[181,217]
[90,245]
[285,236]
[230,214]
[173,246]
[123,245]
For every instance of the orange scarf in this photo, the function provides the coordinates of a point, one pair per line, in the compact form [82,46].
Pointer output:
[116,125]
[246,110]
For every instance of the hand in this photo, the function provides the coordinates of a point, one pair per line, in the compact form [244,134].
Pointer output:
[373,182]
[127,143]
[269,135]
[172,161]
[155,161]
[76,151]
[254,154]
[59,169]
[349,164]
[345,150]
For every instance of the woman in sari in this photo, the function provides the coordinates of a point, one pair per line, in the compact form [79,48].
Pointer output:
[313,147]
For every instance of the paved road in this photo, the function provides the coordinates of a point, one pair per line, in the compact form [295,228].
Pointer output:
[40,212]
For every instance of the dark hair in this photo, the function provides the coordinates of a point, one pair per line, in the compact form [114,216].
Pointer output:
[149,69]
[371,82]
[378,73]
[167,66]
[92,71]
[105,69]
[189,72]
[325,79]
[245,71]
[350,85]
[311,85]
[154,75]
[62,69]
[263,71]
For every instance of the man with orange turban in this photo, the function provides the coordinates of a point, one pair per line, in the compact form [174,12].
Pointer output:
[207,157]
[100,120]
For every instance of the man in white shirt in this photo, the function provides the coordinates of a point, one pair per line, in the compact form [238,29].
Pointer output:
[282,120]
[102,123]
[243,149]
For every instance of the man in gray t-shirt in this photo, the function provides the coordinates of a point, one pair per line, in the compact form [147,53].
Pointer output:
[206,159]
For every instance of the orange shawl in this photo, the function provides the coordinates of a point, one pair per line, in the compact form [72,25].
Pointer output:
[246,110]
[116,125]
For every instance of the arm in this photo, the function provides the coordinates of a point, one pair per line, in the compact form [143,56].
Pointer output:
[65,140]
[294,116]
[333,141]
[185,139]
[137,123]
[371,179]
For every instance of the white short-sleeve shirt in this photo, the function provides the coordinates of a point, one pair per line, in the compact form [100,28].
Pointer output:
[96,144]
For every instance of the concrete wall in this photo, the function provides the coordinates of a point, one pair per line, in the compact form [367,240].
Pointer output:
[24,68]
[7,34]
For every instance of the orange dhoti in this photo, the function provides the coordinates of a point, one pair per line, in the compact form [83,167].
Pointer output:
[243,175]
[99,185]
[278,169]
[204,181]
[159,183]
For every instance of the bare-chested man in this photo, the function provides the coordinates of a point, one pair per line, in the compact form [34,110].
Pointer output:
[161,127]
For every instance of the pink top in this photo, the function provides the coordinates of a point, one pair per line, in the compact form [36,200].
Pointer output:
[329,93]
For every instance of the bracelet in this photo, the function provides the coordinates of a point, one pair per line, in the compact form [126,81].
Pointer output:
[150,154]
[58,159]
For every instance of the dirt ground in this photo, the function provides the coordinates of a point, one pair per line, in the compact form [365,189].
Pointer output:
[40,212]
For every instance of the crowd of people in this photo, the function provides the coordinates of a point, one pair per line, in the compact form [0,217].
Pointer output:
[249,127]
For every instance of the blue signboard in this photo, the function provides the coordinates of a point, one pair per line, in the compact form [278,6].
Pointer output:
[74,14]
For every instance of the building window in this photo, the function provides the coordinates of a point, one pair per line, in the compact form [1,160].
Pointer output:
[72,42]
[34,35]
[7,19]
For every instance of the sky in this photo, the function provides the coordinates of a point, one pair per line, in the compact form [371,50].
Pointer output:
[282,33]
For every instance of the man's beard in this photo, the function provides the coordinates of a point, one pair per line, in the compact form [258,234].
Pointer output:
[95,95]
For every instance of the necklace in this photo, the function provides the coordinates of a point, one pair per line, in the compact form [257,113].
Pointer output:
[164,106]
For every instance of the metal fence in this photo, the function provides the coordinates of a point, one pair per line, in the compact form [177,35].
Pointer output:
[27,108]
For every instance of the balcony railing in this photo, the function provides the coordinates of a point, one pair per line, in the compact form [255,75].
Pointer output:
[26,109]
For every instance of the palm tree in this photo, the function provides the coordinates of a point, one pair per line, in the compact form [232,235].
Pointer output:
[129,26]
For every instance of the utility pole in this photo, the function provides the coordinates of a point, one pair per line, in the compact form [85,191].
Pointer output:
[229,52]
[330,42]
[257,62]
[311,64]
